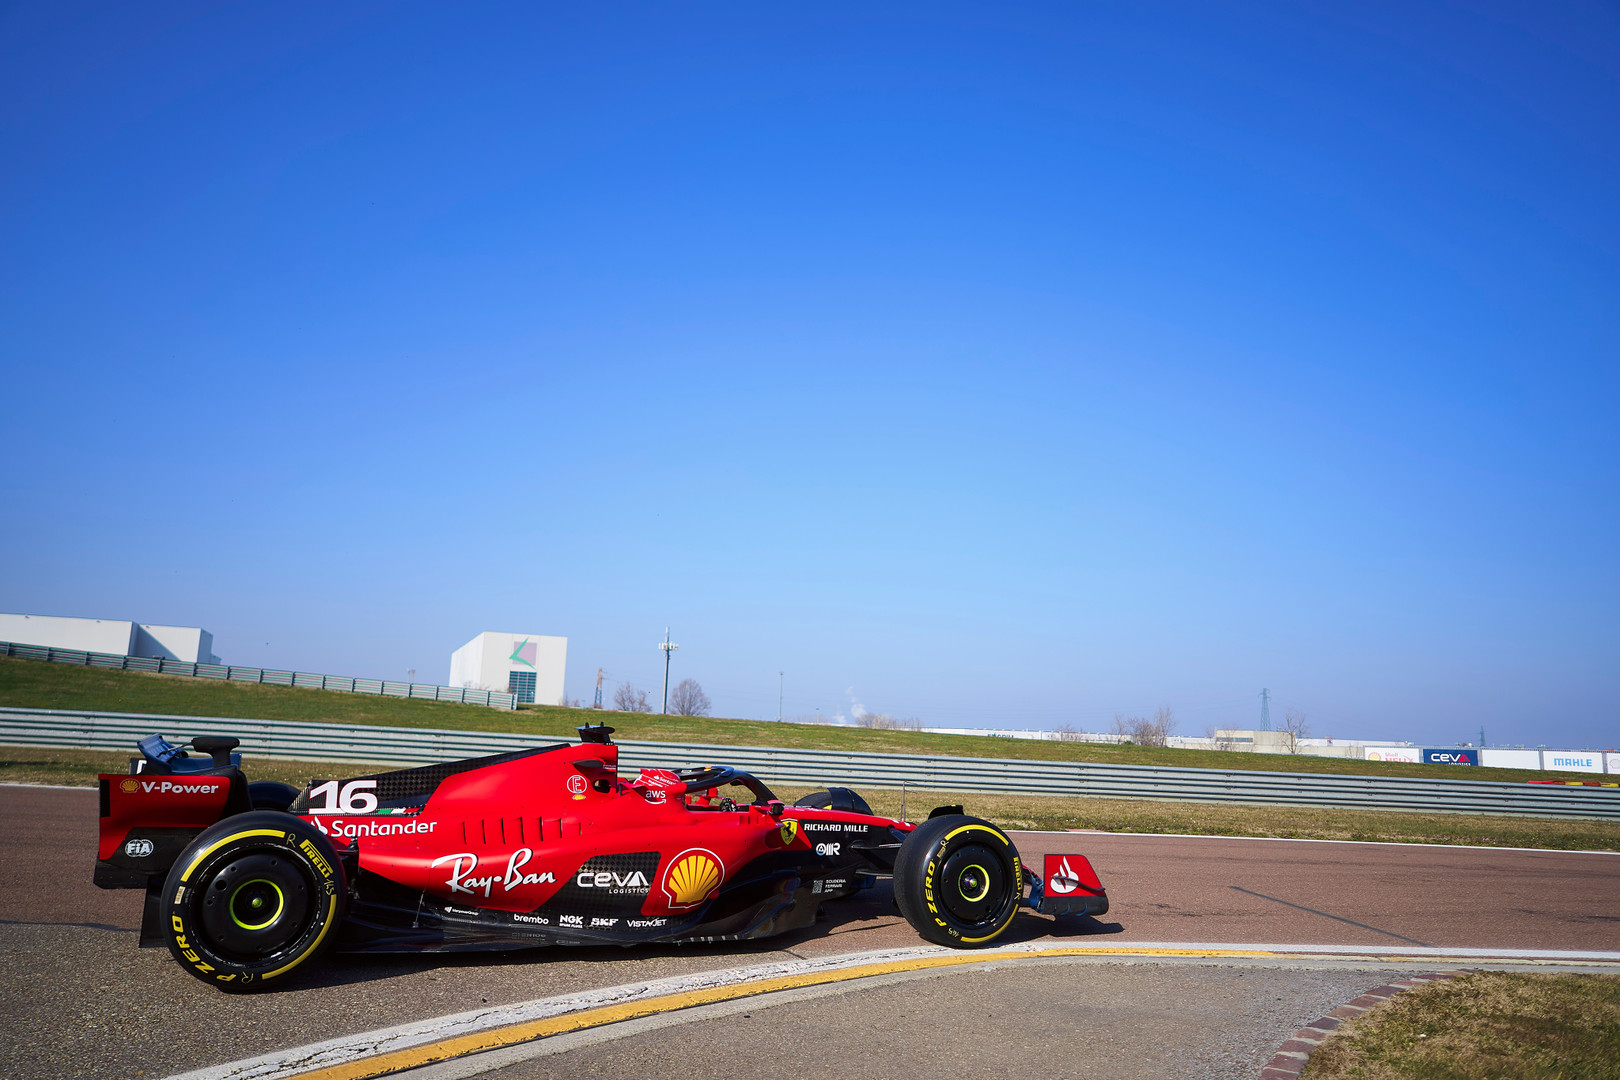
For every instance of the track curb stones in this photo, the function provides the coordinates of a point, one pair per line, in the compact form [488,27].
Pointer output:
[1291,1056]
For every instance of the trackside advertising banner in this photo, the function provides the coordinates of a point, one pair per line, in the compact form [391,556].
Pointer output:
[1462,756]
[1588,761]
[1510,759]
[1572,760]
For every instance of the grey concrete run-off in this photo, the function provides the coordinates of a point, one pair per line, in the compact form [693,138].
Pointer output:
[1052,1020]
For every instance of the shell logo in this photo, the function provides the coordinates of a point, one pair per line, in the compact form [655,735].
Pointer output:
[692,877]
[130,786]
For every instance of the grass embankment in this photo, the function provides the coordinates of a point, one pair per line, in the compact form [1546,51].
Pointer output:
[79,768]
[1491,1025]
[34,684]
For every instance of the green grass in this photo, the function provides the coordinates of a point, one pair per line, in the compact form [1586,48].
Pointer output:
[79,768]
[34,684]
[1491,1025]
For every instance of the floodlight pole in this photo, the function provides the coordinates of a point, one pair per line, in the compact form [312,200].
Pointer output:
[668,648]
[780,677]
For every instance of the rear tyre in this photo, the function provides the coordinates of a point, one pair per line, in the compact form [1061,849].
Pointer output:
[271,794]
[838,798]
[958,881]
[252,898]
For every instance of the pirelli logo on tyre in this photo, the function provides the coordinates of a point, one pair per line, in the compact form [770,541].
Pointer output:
[320,863]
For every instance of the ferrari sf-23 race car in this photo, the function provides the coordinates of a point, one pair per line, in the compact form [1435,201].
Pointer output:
[245,881]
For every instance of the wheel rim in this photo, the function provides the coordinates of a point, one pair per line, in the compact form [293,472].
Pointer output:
[974,884]
[254,904]
[261,900]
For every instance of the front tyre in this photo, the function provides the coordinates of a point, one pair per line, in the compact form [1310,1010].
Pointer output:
[252,898]
[958,881]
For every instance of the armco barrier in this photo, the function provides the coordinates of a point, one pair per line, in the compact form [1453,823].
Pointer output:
[494,698]
[417,746]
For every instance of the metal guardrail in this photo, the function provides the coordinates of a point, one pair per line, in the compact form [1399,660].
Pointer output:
[417,746]
[494,698]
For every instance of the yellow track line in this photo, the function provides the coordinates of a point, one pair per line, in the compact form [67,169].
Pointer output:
[528,1031]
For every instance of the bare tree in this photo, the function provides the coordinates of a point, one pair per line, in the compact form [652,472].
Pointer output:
[1067,733]
[886,722]
[1145,732]
[688,699]
[1155,732]
[1295,728]
[628,699]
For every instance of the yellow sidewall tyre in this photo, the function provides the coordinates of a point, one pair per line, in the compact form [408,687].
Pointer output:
[958,881]
[252,899]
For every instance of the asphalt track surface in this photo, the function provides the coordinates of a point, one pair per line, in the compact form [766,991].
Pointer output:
[79,999]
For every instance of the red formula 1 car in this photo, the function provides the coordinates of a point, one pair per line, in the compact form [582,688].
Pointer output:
[246,881]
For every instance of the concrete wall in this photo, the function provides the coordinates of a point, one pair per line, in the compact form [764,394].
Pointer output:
[467,665]
[1277,742]
[114,636]
[188,643]
[485,662]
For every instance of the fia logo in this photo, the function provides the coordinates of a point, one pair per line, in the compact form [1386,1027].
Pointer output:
[138,849]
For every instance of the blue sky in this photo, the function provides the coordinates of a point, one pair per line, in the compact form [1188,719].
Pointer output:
[990,364]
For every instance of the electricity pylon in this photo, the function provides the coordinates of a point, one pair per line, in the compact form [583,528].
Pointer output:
[668,648]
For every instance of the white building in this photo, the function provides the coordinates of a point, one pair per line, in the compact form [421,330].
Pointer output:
[115,636]
[528,665]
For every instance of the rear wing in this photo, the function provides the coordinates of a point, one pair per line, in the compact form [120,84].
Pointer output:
[150,815]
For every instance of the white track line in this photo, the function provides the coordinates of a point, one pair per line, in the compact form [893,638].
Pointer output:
[287,1063]
[52,787]
[1308,840]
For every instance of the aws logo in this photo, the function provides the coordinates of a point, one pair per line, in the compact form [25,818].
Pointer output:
[692,877]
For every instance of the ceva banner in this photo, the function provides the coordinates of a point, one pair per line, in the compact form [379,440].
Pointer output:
[1572,760]
[1451,757]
